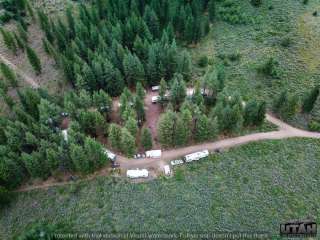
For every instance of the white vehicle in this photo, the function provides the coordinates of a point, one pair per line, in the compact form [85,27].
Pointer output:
[167,170]
[137,173]
[176,162]
[196,156]
[65,134]
[155,99]
[153,154]
[155,88]
[110,155]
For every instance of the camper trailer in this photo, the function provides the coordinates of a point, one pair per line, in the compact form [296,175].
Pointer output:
[155,88]
[110,155]
[155,99]
[196,156]
[65,134]
[167,170]
[137,173]
[153,154]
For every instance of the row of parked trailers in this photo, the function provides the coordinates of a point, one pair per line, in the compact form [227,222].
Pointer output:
[143,173]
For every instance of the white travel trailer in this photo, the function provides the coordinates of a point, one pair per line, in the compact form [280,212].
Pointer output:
[196,156]
[110,155]
[153,154]
[65,134]
[155,88]
[137,173]
[155,99]
[167,170]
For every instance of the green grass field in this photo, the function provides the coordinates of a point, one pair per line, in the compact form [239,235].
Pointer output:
[253,187]
[260,39]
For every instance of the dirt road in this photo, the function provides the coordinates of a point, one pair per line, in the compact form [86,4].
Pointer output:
[26,78]
[285,131]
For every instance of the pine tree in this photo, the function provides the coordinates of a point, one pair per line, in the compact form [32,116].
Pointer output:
[115,136]
[141,93]
[177,91]
[9,75]
[132,126]
[146,139]
[162,90]
[8,40]
[34,60]
[133,69]
[139,108]
[310,99]
[22,33]
[202,128]
[315,113]
[152,21]
[212,9]
[20,43]
[186,118]
[102,101]
[128,145]
[184,65]
[166,129]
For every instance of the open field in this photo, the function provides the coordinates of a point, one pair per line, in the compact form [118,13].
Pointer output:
[255,42]
[278,180]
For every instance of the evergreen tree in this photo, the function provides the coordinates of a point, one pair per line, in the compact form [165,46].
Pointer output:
[186,119]
[146,139]
[315,113]
[115,136]
[128,145]
[133,69]
[201,132]
[22,33]
[34,60]
[102,101]
[184,65]
[254,113]
[162,90]
[141,93]
[139,108]
[132,126]
[8,40]
[152,21]
[166,129]
[9,75]
[177,91]
[212,9]
[310,99]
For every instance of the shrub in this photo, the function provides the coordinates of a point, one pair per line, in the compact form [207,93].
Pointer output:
[314,126]
[270,68]
[5,196]
[286,42]
[230,12]
[256,3]
[203,61]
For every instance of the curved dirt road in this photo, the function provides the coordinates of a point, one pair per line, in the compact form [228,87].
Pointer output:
[285,131]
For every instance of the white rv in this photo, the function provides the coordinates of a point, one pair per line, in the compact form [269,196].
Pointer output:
[155,99]
[167,170]
[110,155]
[155,88]
[137,173]
[153,154]
[196,156]
[65,134]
